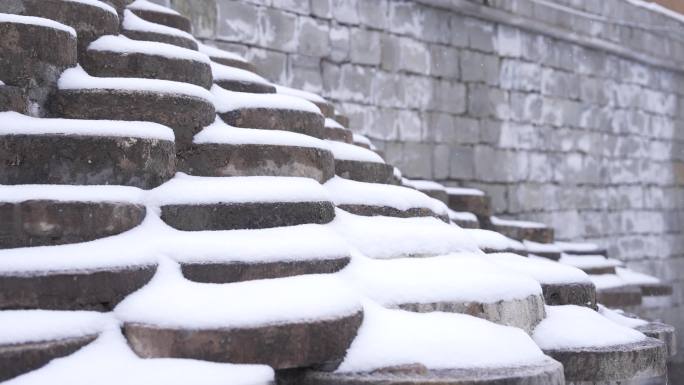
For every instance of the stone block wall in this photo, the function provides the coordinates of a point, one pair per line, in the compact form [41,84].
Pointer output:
[570,112]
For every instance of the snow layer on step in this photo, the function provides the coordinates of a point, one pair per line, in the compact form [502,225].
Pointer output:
[310,96]
[224,72]
[220,132]
[454,278]
[14,123]
[423,184]
[575,327]
[540,269]
[229,101]
[109,361]
[68,193]
[577,247]
[197,190]
[388,237]
[346,151]
[397,173]
[618,317]
[464,191]
[436,340]
[607,281]
[635,278]
[488,239]
[145,5]
[96,3]
[76,79]
[122,44]
[219,53]
[169,300]
[330,123]
[24,326]
[39,21]
[513,223]
[536,247]
[132,22]
[462,216]
[358,138]
[351,192]
[589,261]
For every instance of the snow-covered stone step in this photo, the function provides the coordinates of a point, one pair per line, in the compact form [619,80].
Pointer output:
[284,323]
[359,164]
[12,99]
[561,284]
[581,248]
[269,112]
[545,250]
[596,350]
[650,286]
[119,5]
[240,80]
[160,15]
[91,19]
[591,264]
[361,140]
[521,230]
[326,107]
[38,52]
[186,108]
[335,131]
[224,150]
[464,219]
[37,215]
[226,58]
[84,152]
[383,199]
[657,330]
[203,203]
[342,119]
[30,339]
[457,283]
[613,291]
[119,56]
[139,29]
[398,347]
[428,187]
[492,242]
[470,200]
[108,360]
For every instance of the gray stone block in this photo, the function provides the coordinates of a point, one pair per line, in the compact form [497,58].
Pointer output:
[406,18]
[461,163]
[313,37]
[373,13]
[448,96]
[486,101]
[239,21]
[478,67]
[414,56]
[520,75]
[444,61]
[277,29]
[345,11]
[436,26]
[297,6]
[481,34]
[270,64]
[365,46]
[202,13]
[321,8]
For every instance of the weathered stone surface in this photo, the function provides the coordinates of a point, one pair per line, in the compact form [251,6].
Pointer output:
[119,5]
[186,115]
[662,332]
[548,372]
[636,361]
[386,211]
[33,55]
[619,296]
[245,65]
[342,119]
[99,290]
[279,346]
[211,159]
[480,205]
[534,234]
[85,160]
[466,224]
[18,359]
[655,289]
[136,65]
[274,119]
[440,195]
[554,256]
[12,99]
[339,134]
[579,293]
[370,172]
[246,215]
[168,19]
[327,109]
[48,222]
[523,313]
[162,38]
[598,270]
[245,86]
[243,271]
[90,22]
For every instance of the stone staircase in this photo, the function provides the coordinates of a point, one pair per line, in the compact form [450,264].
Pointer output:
[173,216]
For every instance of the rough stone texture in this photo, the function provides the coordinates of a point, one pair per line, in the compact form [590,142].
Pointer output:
[281,346]
[21,358]
[246,215]
[167,19]
[134,65]
[235,63]
[639,360]
[364,171]
[12,99]
[244,86]
[619,297]
[466,224]
[99,290]
[339,134]
[387,211]
[440,195]
[162,38]
[86,160]
[243,271]
[480,205]
[580,294]
[534,234]
[47,222]
[256,159]
[662,332]
[275,119]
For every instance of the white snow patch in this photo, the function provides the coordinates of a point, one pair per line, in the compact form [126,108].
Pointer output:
[618,317]
[536,247]
[38,21]
[122,44]
[512,223]
[219,53]
[464,191]
[224,72]
[488,239]
[462,216]
[543,270]
[69,193]
[96,3]
[144,5]
[358,138]
[635,278]
[576,327]
[589,261]
[131,22]
[330,123]
[577,247]
[25,326]
[310,96]
[15,123]
[424,185]
[229,101]
[397,173]
[607,281]
[346,151]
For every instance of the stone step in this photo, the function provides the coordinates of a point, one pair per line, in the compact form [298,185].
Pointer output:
[12,99]
[464,219]
[38,52]
[119,5]
[580,248]
[160,15]
[284,323]
[591,264]
[269,112]
[327,109]
[226,58]
[359,164]
[361,140]
[38,215]
[139,29]
[544,250]
[84,152]
[650,286]
[342,119]
[615,292]
[492,242]
[239,80]
[428,187]
[335,131]
[658,330]
[373,199]
[470,200]
[223,150]
[119,56]
[520,230]
[90,19]
[202,203]
[185,108]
